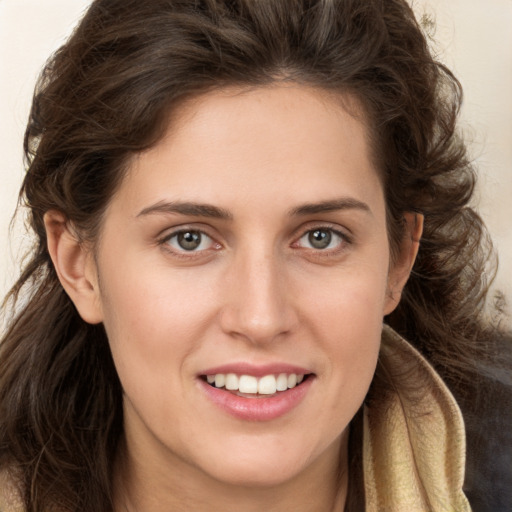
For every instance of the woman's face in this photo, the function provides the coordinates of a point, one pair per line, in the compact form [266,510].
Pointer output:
[247,247]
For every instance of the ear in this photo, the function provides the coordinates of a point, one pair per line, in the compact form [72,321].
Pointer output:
[75,266]
[401,268]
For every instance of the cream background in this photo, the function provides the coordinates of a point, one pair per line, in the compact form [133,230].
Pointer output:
[474,38]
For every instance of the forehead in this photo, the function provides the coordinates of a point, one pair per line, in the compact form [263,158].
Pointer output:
[238,144]
[291,111]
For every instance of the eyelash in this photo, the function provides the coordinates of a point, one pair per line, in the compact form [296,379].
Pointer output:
[343,241]
[165,242]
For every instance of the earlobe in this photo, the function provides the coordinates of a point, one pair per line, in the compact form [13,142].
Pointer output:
[74,265]
[399,273]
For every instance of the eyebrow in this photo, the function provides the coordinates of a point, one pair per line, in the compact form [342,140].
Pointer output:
[210,211]
[187,208]
[344,203]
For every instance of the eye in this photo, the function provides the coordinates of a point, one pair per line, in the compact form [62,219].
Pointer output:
[190,241]
[321,239]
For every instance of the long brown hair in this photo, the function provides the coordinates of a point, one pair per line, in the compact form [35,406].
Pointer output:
[109,92]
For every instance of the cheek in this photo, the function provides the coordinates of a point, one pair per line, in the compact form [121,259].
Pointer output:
[351,298]
[154,320]
[346,317]
[343,319]
[154,323]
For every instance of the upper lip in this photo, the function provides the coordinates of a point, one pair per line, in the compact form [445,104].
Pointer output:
[244,368]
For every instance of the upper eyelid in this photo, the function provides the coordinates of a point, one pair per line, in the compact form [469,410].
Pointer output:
[338,233]
[314,225]
[169,232]
[324,228]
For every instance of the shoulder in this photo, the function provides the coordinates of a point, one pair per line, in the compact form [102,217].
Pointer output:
[488,415]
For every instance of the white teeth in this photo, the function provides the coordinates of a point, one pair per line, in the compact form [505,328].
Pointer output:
[248,384]
[282,382]
[220,380]
[292,380]
[231,381]
[266,385]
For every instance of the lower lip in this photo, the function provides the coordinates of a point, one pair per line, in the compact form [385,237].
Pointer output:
[257,409]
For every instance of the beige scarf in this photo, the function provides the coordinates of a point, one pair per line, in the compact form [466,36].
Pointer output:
[414,443]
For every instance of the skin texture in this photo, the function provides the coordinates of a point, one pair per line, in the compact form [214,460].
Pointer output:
[255,291]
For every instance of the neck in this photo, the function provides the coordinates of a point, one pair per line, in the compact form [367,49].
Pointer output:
[143,487]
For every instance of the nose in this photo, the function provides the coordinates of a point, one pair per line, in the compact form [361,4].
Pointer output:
[258,306]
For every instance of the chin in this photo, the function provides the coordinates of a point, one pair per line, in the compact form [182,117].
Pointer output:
[267,463]
[254,474]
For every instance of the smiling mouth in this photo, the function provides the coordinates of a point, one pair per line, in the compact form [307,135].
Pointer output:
[249,386]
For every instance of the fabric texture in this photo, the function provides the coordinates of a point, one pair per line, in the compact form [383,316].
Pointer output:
[413,436]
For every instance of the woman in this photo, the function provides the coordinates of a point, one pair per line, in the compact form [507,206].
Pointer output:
[228,198]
